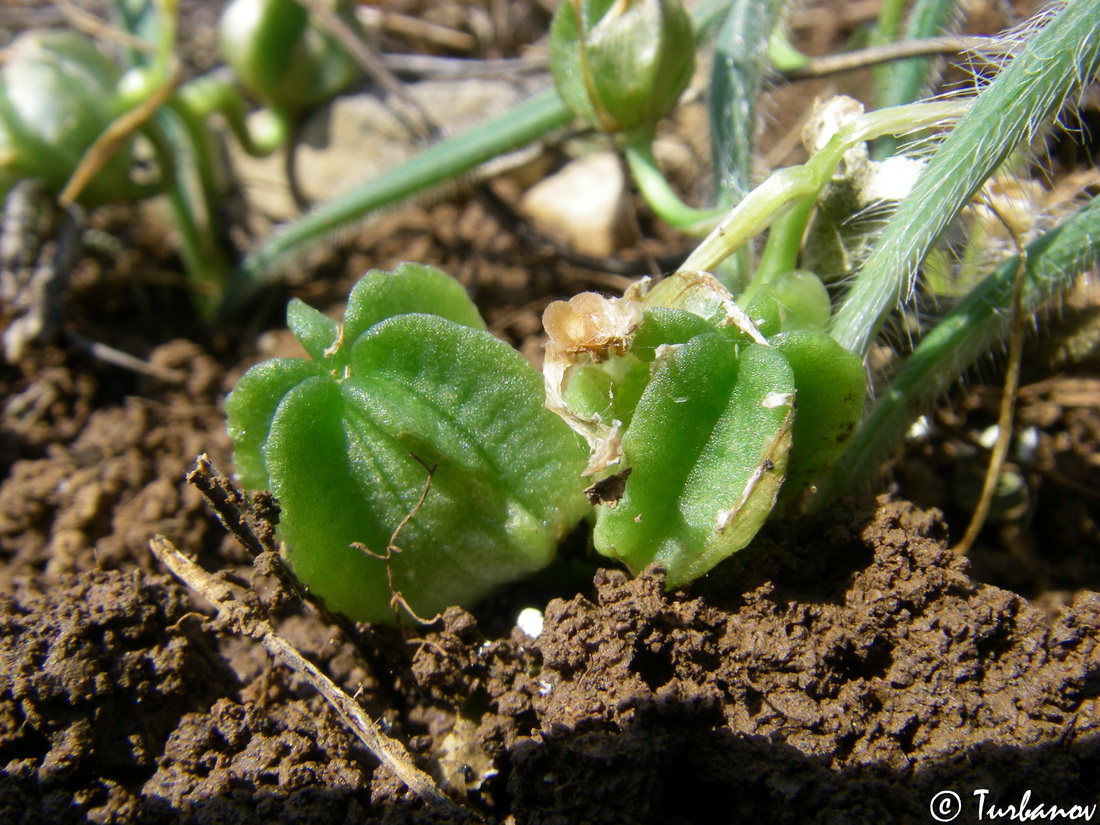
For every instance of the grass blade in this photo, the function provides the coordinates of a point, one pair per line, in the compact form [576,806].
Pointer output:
[1031,89]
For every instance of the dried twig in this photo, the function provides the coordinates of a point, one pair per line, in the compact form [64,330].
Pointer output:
[944,46]
[246,620]
[253,526]
[415,117]
[110,355]
[397,599]
[229,505]
[1006,413]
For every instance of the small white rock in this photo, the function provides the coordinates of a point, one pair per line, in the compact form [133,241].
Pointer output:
[583,205]
[529,621]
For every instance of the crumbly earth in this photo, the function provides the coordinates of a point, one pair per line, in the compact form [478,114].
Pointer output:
[856,672]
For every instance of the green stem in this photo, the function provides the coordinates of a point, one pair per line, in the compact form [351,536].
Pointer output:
[661,197]
[1026,93]
[907,80]
[200,248]
[213,93]
[782,54]
[785,188]
[890,15]
[186,155]
[966,334]
[442,163]
[782,249]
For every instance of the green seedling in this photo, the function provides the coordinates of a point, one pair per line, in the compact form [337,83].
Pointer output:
[708,409]
[416,464]
[58,92]
[683,399]
[408,386]
[71,116]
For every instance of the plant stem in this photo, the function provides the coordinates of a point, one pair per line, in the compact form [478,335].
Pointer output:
[906,81]
[781,251]
[970,331]
[442,163]
[215,92]
[661,197]
[1032,88]
[192,205]
[787,187]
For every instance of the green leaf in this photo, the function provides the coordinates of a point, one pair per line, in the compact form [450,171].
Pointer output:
[794,300]
[345,453]
[315,331]
[411,287]
[664,325]
[831,386]
[251,407]
[376,296]
[708,451]
[609,390]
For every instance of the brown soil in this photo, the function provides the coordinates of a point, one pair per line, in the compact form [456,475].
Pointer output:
[846,668]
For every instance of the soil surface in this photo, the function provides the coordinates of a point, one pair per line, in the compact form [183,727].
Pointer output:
[845,668]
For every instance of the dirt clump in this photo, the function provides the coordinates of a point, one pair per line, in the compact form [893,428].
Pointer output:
[857,700]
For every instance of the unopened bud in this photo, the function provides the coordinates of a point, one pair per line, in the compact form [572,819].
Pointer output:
[622,64]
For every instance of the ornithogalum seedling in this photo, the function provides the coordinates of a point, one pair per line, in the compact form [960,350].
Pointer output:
[409,382]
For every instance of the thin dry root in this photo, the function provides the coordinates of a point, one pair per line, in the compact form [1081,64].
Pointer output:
[246,620]
[397,600]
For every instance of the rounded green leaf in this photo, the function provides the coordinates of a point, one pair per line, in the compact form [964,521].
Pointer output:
[664,325]
[793,301]
[250,409]
[411,287]
[708,451]
[347,455]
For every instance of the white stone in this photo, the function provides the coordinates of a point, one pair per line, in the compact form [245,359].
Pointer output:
[530,622]
[583,205]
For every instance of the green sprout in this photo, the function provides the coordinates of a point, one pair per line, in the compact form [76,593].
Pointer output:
[72,117]
[406,413]
[419,462]
[57,94]
[728,420]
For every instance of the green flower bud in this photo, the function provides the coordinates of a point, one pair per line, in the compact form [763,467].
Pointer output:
[280,56]
[621,64]
[58,93]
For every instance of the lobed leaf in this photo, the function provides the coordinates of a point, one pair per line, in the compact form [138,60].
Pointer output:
[345,442]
